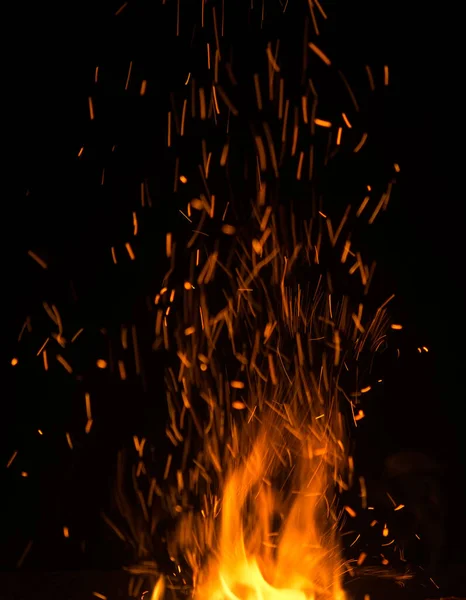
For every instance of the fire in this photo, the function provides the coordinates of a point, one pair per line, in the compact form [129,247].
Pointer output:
[265,344]
[274,535]
[270,349]
[273,544]
[261,518]
[263,427]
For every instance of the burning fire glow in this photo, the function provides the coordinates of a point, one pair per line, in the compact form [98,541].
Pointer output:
[277,532]
[298,559]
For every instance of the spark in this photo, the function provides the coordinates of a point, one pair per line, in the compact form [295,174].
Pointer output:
[76,335]
[91,108]
[346,121]
[65,364]
[362,206]
[340,131]
[320,54]
[361,143]
[385,75]
[271,59]
[87,398]
[185,216]
[130,251]
[12,458]
[23,556]
[370,78]
[322,123]
[38,260]
[121,9]
[238,385]
[128,77]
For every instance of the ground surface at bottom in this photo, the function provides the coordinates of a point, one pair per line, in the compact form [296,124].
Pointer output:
[113,585]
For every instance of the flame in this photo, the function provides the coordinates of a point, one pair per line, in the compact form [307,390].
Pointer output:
[296,560]
[159,590]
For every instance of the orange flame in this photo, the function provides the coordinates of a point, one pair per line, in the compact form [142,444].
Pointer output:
[274,535]
[300,561]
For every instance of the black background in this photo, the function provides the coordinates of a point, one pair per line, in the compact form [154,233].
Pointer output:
[54,209]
